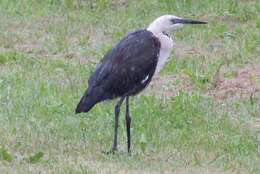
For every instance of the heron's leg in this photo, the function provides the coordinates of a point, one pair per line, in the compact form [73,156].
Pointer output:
[117,111]
[128,124]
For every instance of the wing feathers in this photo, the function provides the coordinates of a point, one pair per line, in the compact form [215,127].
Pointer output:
[123,69]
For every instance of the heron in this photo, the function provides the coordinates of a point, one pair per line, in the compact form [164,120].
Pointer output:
[129,66]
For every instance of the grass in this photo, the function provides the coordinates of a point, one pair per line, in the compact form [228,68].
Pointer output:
[48,50]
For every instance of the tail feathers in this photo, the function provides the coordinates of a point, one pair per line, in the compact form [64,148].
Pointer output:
[85,104]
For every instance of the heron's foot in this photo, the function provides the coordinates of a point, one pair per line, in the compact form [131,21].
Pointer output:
[112,151]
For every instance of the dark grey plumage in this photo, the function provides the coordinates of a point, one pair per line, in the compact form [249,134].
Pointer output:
[124,71]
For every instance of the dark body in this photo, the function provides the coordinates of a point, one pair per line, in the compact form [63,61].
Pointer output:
[124,71]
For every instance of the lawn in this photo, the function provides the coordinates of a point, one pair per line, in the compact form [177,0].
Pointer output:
[200,115]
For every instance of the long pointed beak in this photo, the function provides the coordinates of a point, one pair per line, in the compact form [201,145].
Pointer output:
[187,21]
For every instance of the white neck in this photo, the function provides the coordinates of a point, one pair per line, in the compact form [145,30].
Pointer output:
[166,46]
[154,29]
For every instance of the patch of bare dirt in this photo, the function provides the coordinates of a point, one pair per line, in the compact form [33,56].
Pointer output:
[170,85]
[53,38]
[244,82]
[255,124]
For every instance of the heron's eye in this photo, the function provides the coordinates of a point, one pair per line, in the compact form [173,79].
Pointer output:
[175,21]
[166,34]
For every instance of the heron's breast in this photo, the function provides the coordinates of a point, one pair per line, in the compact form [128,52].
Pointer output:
[165,51]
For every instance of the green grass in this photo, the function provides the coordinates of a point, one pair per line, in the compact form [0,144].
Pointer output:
[48,50]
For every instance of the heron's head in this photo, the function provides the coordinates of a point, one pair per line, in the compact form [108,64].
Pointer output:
[167,23]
